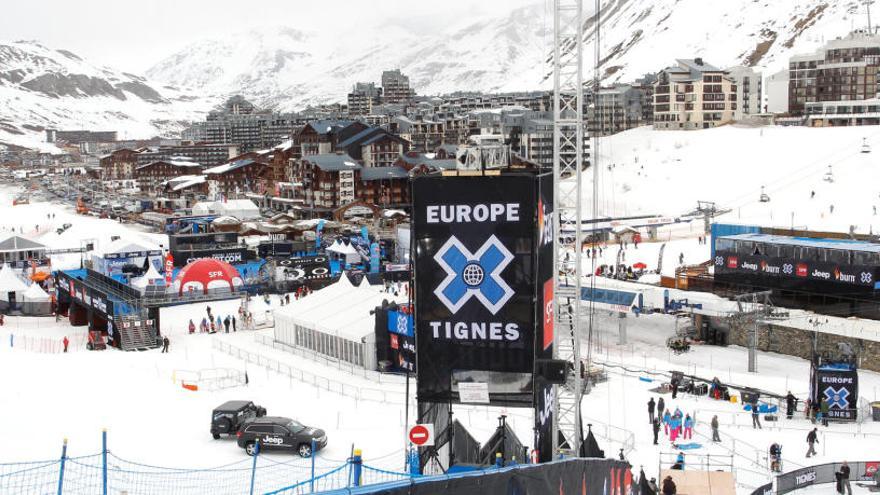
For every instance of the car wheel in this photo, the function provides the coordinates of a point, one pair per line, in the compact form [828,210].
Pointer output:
[216,436]
[304,450]
[250,448]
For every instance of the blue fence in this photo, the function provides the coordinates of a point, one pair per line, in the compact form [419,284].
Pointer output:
[105,473]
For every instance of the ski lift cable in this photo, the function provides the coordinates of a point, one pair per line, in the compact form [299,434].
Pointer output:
[834,157]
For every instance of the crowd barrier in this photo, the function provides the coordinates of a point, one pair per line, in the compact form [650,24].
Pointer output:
[353,390]
[107,473]
[824,473]
[582,476]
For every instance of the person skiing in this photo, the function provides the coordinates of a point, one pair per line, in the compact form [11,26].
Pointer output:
[165,343]
[226,323]
[669,487]
[651,405]
[844,478]
[790,404]
[715,436]
[688,427]
[823,409]
[233,323]
[66,342]
[812,440]
[192,327]
[655,425]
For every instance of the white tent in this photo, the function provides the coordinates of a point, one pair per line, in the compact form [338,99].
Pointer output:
[242,209]
[35,301]
[346,251]
[11,288]
[151,276]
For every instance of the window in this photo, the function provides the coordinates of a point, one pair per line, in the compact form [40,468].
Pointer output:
[279,430]
[259,429]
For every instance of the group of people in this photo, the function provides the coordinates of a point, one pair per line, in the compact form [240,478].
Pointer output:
[817,412]
[675,424]
[212,324]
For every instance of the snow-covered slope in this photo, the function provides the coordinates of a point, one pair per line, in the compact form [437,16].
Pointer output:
[291,68]
[42,87]
[643,171]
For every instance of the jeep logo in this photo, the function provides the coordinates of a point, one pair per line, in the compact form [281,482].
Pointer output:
[273,440]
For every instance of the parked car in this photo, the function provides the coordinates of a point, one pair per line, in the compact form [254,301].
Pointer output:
[229,417]
[275,432]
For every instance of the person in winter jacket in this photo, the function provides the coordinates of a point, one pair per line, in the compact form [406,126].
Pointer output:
[192,327]
[219,322]
[679,462]
[675,428]
[661,406]
[823,408]
[656,427]
[715,436]
[812,440]
[651,405]
[66,343]
[790,404]
[688,427]
[226,324]
[669,487]
[233,323]
[844,478]
[667,421]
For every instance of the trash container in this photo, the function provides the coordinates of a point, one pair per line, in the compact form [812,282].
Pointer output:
[875,411]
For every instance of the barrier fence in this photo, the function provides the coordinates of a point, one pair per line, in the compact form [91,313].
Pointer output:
[352,390]
[106,473]
[824,473]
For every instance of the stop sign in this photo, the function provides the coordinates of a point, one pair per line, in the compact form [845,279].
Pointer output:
[422,435]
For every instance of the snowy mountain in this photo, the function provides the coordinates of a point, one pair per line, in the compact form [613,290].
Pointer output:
[289,68]
[44,88]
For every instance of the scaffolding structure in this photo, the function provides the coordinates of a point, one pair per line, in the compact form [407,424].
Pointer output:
[568,153]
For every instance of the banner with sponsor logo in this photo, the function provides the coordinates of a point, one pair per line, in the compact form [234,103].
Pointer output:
[474,242]
[229,255]
[544,312]
[840,390]
[732,264]
[822,474]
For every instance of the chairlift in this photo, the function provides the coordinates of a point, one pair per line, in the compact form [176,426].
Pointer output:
[829,175]
[764,197]
[866,148]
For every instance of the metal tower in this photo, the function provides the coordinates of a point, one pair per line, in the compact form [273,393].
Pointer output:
[568,153]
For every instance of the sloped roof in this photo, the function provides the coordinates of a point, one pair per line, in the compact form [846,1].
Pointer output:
[19,243]
[328,125]
[36,293]
[330,162]
[360,136]
[382,173]
[228,167]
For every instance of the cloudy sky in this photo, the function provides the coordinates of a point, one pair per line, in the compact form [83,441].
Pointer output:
[134,34]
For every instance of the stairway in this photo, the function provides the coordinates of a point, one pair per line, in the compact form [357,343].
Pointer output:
[135,335]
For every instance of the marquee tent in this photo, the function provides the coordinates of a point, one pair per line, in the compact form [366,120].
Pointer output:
[11,289]
[36,302]
[317,323]
[242,209]
[207,274]
[344,251]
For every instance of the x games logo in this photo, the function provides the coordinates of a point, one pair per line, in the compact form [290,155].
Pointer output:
[473,275]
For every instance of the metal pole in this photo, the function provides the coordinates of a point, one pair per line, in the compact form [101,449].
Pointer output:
[312,480]
[104,461]
[254,466]
[61,469]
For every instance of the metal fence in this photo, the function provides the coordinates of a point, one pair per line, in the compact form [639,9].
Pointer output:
[106,473]
[353,390]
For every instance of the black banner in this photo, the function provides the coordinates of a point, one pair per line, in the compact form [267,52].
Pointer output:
[786,272]
[544,312]
[567,477]
[474,271]
[840,390]
[230,255]
[823,473]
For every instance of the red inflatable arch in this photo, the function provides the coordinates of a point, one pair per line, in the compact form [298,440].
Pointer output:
[205,275]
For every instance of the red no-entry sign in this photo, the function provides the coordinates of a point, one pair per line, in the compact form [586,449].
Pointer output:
[422,435]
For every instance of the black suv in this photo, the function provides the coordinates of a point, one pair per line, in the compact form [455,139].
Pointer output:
[230,416]
[274,432]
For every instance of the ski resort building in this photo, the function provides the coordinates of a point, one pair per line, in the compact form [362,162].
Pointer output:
[842,71]
[693,95]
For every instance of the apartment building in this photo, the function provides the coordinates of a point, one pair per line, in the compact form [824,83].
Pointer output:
[363,98]
[749,91]
[693,94]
